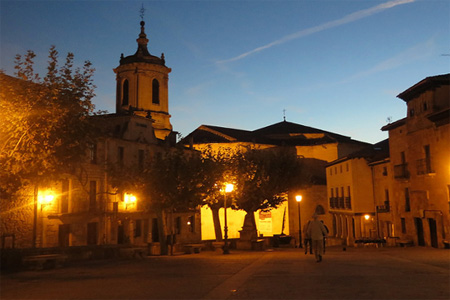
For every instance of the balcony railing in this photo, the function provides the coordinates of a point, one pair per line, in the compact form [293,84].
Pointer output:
[424,166]
[348,203]
[384,208]
[333,202]
[401,171]
[340,203]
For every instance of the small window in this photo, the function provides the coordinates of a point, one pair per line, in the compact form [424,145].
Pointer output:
[411,112]
[403,221]
[155,92]
[425,106]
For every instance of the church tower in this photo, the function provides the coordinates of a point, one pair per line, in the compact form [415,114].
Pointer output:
[142,86]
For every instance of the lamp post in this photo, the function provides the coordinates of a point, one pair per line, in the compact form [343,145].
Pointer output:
[228,188]
[298,198]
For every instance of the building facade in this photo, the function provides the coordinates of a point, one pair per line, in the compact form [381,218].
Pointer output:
[316,147]
[420,159]
[85,208]
[401,194]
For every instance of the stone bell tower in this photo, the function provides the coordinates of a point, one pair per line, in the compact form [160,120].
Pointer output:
[142,86]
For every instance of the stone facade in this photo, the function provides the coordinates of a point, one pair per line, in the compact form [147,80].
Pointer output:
[404,190]
[419,154]
[316,147]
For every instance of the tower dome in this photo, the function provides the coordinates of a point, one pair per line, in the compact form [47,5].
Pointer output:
[142,86]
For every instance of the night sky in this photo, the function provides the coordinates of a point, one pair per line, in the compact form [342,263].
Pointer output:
[331,64]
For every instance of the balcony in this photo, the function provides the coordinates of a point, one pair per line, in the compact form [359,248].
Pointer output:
[333,202]
[424,166]
[384,208]
[401,171]
[348,203]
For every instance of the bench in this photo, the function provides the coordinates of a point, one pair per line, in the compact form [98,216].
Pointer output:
[258,244]
[192,248]
[446,244]
[370,241]
[405,243]
[45,261]
[139,252]
[133,252]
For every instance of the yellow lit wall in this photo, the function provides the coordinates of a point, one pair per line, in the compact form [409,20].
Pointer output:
[235,220]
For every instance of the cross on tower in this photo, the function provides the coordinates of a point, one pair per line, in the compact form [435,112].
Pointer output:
[142,12]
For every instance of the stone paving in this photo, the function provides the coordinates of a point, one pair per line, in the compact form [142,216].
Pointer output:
[284,273]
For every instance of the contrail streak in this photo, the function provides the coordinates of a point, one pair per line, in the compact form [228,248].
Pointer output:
[347,19]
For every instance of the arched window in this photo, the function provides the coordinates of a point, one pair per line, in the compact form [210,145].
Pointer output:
[125,92]
[320,210]
[155,91]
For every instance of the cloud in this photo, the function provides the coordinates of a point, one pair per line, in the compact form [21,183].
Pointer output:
[414,53]
[305,32]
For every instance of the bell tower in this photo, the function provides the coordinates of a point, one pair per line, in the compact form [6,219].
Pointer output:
[142,86]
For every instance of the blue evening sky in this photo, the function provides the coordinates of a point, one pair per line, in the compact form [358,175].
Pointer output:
[336,65]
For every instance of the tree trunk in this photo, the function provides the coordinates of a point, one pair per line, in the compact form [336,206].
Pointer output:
[216,222]
[35,214]
[162,231]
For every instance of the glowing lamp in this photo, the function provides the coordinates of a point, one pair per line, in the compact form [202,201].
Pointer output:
[367,217]
[46,198]
[129,198]
[298,198]
[229,188]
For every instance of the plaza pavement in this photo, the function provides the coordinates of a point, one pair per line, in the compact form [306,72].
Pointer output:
[284,273]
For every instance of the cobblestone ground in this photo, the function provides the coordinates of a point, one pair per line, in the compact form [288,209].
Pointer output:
[358,273]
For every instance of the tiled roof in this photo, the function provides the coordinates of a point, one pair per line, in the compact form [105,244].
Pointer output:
[424,85]
[282,133]
[373,153]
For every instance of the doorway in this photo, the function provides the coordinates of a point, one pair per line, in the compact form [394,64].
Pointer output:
[63,235]
[433,232]
[419,230]
[92,233]
[120,234]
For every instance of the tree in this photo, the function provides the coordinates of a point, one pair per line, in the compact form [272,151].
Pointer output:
[263,179]
[217,169]
[45,122]
[46,127]
[174,181]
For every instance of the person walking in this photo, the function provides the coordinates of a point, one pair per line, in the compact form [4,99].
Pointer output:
[307,238]
[325,237]
[317,232]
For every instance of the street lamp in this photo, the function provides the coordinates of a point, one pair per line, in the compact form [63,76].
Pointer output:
[228,188]
[298,198]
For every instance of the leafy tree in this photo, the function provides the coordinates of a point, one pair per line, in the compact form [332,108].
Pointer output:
[175,181]
[45,122]
[217,169]
[263,179]
[46,127]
